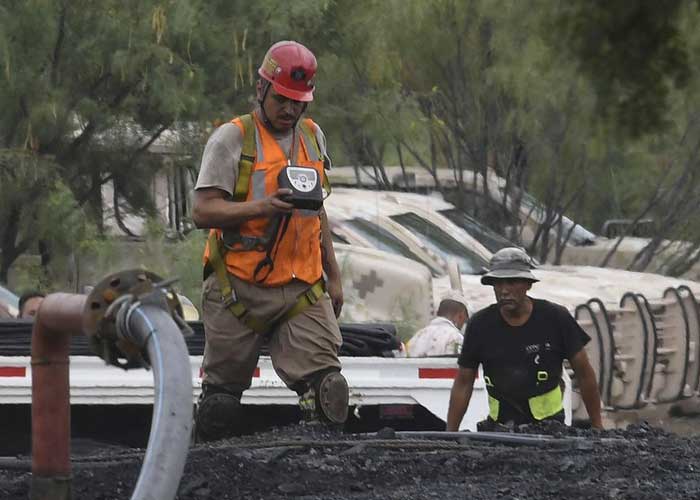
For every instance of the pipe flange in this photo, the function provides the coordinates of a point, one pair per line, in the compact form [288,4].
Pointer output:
[106,292]
[113,294]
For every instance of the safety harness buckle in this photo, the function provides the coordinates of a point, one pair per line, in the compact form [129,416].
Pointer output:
[312,295]
[229,300]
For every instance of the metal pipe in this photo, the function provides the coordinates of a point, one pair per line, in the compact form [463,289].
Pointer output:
[496,437]
[60,316]
[171,426]
[150,326]
[579,442]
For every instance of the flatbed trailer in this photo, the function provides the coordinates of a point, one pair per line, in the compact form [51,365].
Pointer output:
[396,387]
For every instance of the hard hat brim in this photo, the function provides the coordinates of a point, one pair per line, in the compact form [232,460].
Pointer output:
[296,95]
[492,276]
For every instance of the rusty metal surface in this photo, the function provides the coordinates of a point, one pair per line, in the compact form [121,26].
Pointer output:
[106,292]
[59,317]
[62,312]
[99,318]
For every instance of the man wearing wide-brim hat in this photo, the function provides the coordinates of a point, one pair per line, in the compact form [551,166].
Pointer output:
[521,342]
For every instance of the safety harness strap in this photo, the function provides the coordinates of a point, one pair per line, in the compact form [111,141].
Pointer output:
[310,138]
[247,160]
[228,294]
[306,299]
[233,240]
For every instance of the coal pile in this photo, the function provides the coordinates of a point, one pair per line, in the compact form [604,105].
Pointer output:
[308,462]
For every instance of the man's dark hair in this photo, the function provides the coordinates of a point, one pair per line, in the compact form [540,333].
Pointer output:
[29,294]
[449,307]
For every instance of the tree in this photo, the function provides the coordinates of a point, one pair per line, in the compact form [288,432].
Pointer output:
[35,205]
[87,89]
[634,53]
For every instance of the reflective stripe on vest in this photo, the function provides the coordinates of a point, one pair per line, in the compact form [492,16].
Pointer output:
[542,406]
[298,253]
[494,408]
[547,404]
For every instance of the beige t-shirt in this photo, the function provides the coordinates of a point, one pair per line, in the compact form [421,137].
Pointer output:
[222,153]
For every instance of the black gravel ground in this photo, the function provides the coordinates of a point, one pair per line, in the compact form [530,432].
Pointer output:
[310,462]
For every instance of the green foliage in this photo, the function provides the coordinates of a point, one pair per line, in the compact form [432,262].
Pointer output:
[633,53]
[163,256]
[96,84]
[181,259]
[185,259]
[35,205]
[85,88]
[588,105]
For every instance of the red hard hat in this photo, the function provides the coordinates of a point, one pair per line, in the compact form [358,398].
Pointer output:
[290,68]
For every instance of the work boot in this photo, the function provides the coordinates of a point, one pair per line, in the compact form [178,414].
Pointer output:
[218,414]
[307,405]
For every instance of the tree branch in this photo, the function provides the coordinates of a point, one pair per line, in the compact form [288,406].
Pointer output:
[55,59]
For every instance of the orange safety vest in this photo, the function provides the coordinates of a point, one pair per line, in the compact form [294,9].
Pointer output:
[298,253]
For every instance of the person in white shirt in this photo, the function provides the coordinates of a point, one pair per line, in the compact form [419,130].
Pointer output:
[443,335]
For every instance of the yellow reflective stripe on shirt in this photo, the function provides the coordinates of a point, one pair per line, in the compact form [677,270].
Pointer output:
[494,408]
[545,405]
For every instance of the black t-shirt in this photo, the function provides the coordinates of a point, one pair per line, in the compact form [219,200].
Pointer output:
[512,356]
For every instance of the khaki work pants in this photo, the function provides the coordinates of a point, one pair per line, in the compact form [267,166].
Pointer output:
[305,344]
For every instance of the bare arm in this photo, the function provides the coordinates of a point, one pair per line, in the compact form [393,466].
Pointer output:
[459,397]
[586,377]
[330,266]
[212,208]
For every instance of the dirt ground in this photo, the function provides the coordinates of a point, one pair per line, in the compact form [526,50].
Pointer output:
[308,462]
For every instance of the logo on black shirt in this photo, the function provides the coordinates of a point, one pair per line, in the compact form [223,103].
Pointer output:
[532,348]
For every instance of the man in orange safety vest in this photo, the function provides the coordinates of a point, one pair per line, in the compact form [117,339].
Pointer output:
[260,192]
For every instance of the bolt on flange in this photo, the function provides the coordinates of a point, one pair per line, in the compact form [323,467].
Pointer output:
[107,307]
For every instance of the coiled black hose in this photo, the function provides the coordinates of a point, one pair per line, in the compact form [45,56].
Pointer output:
[360,340]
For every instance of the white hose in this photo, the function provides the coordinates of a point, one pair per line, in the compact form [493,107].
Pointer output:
[171,425]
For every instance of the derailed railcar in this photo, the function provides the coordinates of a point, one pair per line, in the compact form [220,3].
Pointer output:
[644,326]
